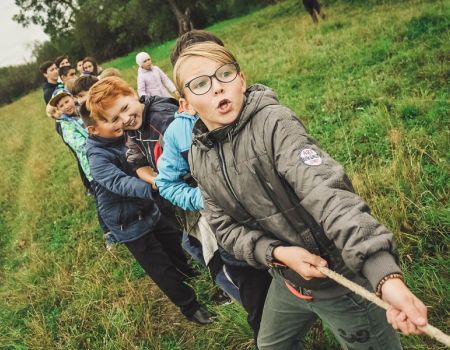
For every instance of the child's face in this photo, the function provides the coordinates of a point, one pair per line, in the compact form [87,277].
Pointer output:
[80,66]
[66,105]
[220,105]
[52,73]
[71,74]
[81,97]
[147,64]
[109,129]
[128,110]
[88,67]
[64,62]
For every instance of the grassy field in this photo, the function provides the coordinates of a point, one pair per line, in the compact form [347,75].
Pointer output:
[372,85]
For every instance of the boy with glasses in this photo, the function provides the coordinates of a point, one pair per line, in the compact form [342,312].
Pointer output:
[175,183]
[275,199]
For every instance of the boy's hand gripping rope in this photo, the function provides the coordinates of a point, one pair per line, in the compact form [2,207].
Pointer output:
[428,329]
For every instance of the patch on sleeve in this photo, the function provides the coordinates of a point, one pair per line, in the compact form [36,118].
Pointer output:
[310,157]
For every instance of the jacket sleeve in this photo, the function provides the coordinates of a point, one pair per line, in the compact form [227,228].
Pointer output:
[108,175]
[166,81]
[141,85]
[172,167]
[237,239]
[77,142]
[135,156]
[47,95]
[326,193]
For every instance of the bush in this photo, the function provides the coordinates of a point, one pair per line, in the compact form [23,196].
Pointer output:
[17,81]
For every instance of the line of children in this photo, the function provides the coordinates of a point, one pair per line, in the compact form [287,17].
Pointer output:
[275,199]
[127,204]
[60,73]
[271,195]
[73,133]
[145,121]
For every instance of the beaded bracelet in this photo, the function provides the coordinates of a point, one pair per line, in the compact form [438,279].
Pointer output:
[384,279]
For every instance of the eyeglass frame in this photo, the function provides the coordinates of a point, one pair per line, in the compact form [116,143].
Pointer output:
[235,64]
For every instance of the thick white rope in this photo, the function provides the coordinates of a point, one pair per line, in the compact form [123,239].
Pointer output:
[428,329]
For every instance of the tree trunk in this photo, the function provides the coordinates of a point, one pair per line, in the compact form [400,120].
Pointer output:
[183,19]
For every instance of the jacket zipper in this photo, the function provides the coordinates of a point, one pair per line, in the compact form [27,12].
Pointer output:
[224,170]
[147,151]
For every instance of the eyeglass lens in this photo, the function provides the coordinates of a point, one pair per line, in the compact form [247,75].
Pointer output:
[202,84]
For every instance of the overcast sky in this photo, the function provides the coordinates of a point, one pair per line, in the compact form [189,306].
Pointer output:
[16,41]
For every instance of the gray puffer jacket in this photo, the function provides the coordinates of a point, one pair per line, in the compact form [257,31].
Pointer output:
[266,183]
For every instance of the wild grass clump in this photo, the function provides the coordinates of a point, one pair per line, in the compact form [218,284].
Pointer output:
[371,85]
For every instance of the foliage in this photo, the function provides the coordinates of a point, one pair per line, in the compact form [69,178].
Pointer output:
[18,80]
[105,29]
[55,17]
[371,85]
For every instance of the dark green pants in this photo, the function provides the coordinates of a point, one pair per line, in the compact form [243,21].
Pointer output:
[356,323]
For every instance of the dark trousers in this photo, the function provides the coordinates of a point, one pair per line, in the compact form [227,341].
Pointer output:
[253,285]
[161,256]
[312,6]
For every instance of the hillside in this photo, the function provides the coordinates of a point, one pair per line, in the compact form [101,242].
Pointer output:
[371,84]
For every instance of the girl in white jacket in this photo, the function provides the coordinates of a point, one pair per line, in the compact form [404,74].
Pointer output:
[151,79]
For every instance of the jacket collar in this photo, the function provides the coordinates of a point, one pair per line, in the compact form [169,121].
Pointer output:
[148,102]
[256,98]
[106,142]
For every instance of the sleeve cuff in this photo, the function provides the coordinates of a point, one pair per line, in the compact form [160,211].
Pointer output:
[138,164]
[264,248]
[378,266]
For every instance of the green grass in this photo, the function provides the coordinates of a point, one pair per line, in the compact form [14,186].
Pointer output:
[371,85]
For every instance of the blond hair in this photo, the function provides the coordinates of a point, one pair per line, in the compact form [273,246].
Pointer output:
[110,72]
[104,93]
[208,50]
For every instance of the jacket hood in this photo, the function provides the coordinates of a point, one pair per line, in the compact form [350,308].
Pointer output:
[149,102]
[185,116]
[97,141]
[257,97]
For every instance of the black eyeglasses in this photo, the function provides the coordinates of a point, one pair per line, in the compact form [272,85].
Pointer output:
[202,84]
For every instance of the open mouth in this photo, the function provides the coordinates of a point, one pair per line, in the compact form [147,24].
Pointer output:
[224,106]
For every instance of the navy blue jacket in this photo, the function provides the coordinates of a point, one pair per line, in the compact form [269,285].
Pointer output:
[124,202]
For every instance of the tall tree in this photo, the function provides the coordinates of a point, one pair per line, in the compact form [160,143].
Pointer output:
[183,15]
[56,17]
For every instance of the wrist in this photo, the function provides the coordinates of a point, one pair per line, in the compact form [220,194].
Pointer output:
[387,281]
[273,254]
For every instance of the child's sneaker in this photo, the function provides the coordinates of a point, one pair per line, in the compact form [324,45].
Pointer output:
[109,241]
